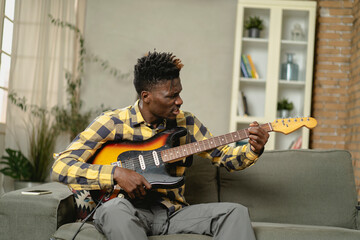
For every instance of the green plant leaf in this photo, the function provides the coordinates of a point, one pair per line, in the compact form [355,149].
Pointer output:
[254,22]
[19,167]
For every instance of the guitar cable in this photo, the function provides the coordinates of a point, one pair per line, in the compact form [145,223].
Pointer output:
[91,213]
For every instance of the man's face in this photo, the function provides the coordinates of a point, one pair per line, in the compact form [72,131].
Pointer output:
[164,100]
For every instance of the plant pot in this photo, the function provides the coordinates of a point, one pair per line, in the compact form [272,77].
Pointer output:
[254,33]
[283,113]
[25,184]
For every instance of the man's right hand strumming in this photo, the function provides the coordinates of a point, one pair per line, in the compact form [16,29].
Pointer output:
[134,184]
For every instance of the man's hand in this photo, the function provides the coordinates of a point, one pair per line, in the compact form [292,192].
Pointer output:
[258,137]
[131,182]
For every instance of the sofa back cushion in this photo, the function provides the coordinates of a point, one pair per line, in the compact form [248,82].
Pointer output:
[296,186]
[201,182]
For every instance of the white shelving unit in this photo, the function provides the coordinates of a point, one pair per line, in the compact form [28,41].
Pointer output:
[268,52]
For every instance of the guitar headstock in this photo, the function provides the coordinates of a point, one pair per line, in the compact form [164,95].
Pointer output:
[289,125]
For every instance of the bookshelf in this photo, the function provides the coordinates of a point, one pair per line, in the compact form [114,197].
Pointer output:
[280,36]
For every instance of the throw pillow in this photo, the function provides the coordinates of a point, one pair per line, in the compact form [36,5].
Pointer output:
[84,204]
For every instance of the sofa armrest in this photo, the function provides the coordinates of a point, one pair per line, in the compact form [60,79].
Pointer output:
[36,216]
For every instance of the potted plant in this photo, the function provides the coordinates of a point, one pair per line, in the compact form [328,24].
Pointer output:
[254,25]
[42,131]
[284,107]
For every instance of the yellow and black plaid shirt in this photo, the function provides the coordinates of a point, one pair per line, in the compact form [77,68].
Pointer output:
[71,166]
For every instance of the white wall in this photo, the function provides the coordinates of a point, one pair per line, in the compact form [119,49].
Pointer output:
[200,32]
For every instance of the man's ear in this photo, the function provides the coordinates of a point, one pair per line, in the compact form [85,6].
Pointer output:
[145,96]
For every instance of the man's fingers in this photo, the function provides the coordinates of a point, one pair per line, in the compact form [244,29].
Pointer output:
[147,184]
[142,191]
[131,195]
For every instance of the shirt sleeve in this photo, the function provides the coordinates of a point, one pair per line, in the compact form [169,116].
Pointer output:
[71,167]
[232,158]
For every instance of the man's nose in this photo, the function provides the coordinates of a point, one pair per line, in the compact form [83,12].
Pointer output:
[179,101]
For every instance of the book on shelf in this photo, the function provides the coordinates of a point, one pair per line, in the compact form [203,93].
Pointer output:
[253,69]
[247,72]
[243,70]
[242,105]
[248,67]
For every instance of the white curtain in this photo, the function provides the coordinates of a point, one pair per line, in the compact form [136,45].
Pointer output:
[42,52]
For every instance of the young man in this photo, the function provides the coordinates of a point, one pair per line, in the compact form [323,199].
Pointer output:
[145,211]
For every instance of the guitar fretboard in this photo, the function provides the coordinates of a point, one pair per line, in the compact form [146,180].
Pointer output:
[180,152]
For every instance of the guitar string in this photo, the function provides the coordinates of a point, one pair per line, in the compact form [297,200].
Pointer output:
[192,148]
[134,163]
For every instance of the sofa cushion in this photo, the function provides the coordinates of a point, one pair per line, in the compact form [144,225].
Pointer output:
[88,231]
[201,182]
[311,187]
[271,231]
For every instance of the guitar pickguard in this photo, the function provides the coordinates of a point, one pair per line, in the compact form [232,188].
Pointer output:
[150,165]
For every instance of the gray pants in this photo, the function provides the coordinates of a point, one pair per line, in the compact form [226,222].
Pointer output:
[119,219]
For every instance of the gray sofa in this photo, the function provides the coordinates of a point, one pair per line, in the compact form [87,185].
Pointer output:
[292,194]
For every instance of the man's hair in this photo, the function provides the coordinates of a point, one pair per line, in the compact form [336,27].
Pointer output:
[154,68]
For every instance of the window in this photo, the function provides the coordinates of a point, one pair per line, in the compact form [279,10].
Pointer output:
[6,36]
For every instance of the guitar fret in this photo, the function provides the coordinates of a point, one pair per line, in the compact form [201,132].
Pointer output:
[197,146]
[243,134]
[232,137]
[203,145]
[228,137]
[217,141]
[222,138]
[212,143]
[192,148]
[174,153]
[184,151]
[208,142]
[235,136]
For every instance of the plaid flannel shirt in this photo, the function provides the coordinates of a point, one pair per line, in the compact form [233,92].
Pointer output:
[71,166]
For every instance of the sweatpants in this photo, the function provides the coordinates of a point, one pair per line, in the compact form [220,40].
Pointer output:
[119,219]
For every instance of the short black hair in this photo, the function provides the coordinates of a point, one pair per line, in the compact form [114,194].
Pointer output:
[155,67]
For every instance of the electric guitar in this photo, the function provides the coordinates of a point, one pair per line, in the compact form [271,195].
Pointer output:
[149,157]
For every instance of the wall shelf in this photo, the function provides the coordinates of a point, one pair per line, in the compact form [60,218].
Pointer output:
[281,35]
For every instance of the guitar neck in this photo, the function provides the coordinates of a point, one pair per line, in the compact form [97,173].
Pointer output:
[176,153]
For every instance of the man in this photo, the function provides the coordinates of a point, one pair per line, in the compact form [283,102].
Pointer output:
[145,211]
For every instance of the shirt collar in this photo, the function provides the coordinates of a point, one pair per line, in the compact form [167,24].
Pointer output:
[137,118]
[135,115]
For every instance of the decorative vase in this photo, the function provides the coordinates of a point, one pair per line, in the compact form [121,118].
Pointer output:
[254,32]
[283,113]
[289,70]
